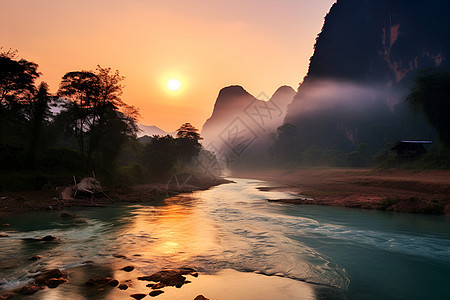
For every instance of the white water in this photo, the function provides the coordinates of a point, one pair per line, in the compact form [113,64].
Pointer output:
[341,253]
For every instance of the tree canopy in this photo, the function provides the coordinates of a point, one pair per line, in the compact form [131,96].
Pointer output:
[431,95]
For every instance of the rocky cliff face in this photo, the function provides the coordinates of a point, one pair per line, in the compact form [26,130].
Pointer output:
[240,121]
[364,63]
[381,40]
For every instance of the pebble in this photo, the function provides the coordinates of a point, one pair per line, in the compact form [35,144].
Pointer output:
[128,268]
[28,290]
[48,238]
[155,293]
[114,282]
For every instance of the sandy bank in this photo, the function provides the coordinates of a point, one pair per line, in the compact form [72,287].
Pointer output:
[27,201]
[393,190]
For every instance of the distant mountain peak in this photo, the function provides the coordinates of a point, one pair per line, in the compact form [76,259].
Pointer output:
[150,130]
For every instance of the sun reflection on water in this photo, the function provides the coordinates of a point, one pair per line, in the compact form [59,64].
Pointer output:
[177,232]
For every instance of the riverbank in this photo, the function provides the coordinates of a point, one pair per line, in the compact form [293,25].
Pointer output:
[27,201]
[392,190]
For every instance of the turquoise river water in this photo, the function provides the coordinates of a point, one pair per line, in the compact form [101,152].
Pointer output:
[243,246]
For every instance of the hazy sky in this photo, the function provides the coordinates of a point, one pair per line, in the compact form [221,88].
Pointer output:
[207,45]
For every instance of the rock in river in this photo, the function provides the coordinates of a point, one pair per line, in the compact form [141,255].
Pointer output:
[128,268]
[98,281]
[54,282]
[29,289]
[156,293]
[45,277]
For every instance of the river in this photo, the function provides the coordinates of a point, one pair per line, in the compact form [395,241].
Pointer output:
[244,247]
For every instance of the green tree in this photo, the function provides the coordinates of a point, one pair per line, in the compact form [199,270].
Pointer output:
[431,95]
[360,157]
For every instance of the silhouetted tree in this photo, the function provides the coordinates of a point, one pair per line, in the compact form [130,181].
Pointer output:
[188,142]
[17,78]
[80,88]
[188,131]
[160,156]
[94,110]
[38,110]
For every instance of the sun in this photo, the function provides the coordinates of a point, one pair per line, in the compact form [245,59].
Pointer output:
[173,84]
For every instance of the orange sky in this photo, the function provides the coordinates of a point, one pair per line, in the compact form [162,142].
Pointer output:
[207,45]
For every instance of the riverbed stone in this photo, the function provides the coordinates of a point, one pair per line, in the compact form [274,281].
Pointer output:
[113,282]
[45,276]
[138,296]
[48,238]
[29,289]
[98,281]
[200,297]
[55,282]
[123,286]
[158,286]
[155,293]
[169,277]
[36,257]
[128,268]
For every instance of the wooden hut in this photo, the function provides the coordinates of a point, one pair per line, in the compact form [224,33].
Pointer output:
[410,149]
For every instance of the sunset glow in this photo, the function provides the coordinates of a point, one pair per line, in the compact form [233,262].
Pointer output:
[259,45]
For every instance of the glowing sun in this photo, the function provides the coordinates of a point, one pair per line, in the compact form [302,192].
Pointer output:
[173,84]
